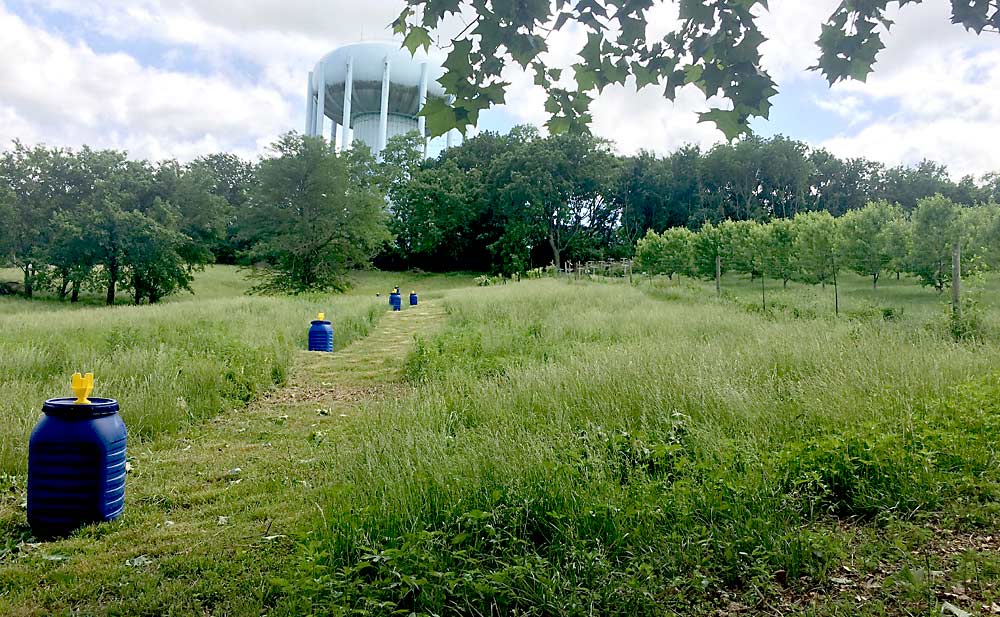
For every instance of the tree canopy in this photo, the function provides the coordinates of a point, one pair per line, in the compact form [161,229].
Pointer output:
[310,219]
[716,47]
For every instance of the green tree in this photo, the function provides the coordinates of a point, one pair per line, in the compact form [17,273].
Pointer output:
[715,46]
[232,179]
[935,229]
[152,255]
[908,185]
[558,191]
[435,215]
[980,227]
[678,243]
[898,239]
[709,254]
[779,236]
[816,246]
[309,220]
[864,243]
[650,254]
[34,177]
[70,253]
[742,253]
[644,194]
[785,171]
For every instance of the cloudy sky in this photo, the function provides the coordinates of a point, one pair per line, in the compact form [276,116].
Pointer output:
[180,78]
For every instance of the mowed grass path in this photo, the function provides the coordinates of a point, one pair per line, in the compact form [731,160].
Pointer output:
[211,512]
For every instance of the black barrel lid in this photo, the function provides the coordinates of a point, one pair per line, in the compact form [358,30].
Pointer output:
[69,409]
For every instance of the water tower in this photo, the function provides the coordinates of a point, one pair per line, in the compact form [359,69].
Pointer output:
[372,91]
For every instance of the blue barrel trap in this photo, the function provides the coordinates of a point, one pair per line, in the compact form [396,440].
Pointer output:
[320,334]
[395,300]
[76,463]
[413,298]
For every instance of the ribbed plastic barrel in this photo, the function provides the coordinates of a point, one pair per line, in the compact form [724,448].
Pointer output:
[320,335]
[395,301]
[76,466]
[413,299]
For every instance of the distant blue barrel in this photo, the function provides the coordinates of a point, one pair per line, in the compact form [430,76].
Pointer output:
[413,298]
[395,301]
[320,335]
[76,466]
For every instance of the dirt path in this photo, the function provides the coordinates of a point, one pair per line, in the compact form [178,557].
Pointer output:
[211,513]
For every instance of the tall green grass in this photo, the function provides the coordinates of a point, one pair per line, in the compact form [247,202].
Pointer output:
[582,448]
[168,365]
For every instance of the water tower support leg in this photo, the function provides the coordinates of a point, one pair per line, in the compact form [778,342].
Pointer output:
[320,101]
[345,141]
[422,121]
[383,119]
[310,105]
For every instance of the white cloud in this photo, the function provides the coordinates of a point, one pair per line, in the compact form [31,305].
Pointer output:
[850,108]
[792,28]
[941,83]
[67,94]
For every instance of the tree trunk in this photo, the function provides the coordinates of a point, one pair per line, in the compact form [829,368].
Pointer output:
[75,295]
[875,281]
[112,282]
[718,275]
[956,281]
[64,286]
[555,251]
[836,295]
[28,280]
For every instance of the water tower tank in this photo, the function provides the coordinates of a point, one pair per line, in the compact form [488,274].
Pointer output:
[373,91]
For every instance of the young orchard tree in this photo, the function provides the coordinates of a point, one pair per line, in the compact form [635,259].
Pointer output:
[780,263]
[897,237]
[935,230]
[650,254]
[981,235]
[677,246]
[709,254]
[991,239]
[863,240]
[760,255]
[817,251]
[742,251]
[309,220]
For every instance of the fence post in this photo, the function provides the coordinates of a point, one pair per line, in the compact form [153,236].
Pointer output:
[956,281]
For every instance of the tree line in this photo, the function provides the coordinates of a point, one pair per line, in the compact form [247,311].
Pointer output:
[94,220]
[507,203]
[813,247]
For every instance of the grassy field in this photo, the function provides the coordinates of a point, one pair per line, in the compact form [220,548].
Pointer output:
[171,364]
[547,447]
